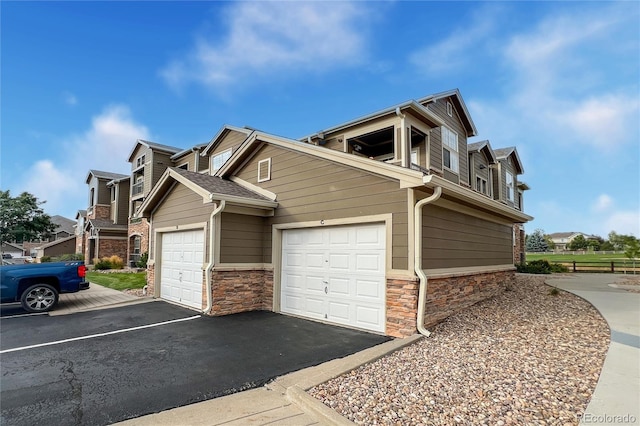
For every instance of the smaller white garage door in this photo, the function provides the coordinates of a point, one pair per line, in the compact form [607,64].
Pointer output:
[181,267]
[335,274]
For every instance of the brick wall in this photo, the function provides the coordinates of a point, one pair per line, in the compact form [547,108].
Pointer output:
[402,302]
[100,211]
[141,228]
[450,294]
[108,248]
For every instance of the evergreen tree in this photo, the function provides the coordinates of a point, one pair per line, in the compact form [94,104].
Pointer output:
[536,242]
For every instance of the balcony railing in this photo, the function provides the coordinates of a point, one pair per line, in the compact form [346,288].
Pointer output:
[137,188]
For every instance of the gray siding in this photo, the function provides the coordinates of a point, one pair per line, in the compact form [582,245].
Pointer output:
[152,174]
[452,239]
[181,207]
[123,203]
[440,109]
[478,159]
[502,195]
[312,189]
[241,239]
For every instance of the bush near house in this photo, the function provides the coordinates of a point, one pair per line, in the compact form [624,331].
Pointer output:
[113,262]
[540,267]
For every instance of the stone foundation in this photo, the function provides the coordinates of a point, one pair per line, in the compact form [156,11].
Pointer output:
[447,295]
[402,303]
[151,273]
[241,291]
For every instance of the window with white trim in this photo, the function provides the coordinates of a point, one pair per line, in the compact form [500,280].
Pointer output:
[218,160]
[449,109]
[509,182]
[481,185]
[140,161]
[450,149]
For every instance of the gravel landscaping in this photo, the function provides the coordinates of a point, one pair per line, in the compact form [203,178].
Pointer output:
[526,356]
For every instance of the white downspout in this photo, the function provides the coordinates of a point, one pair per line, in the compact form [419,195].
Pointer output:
[214,213]
[422,293]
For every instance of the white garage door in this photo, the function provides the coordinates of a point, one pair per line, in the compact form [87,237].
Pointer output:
[335,274]
[181,267]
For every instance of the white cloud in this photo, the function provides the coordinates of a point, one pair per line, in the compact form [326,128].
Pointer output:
[623,222]
[559,85]
[103,146]
[454,52]
[603,203]
[69,98]
[269,38]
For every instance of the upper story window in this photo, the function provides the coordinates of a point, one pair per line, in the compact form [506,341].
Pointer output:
[449,109]
[218,160]
[140,161]
[481,185]
[113,193]
[185,166]
[450,150]
[510,182]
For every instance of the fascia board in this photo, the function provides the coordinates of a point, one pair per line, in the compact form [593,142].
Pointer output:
[213,142]
[467,195]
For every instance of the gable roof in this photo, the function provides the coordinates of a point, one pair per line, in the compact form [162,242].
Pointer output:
[104,175]
[406,177]
[504,153]
[221,133]
[412,105]
[455,95]
[194,148]
[483,145]
[154,146]
[56,242]
[106,224]
[208,187]
[63,224]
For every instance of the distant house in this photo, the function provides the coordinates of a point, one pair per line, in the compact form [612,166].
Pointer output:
[56,248]
[562,239]
[64,228]
[11,249]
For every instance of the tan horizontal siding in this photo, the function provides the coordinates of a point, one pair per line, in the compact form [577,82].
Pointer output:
[313,189]
[241,239]
[452,239]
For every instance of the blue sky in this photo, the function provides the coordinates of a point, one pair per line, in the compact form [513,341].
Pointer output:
[81,81]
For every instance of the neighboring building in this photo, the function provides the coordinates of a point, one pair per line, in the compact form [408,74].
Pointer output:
[562,239]
[12,250]
[64,228]
[56,248]
[105,224]
[345,226]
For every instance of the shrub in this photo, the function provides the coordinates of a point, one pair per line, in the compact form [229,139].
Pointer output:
[541,266]
[68,257]
[102,264]
[116,262]
[142,263]
[558,268]
[45,259]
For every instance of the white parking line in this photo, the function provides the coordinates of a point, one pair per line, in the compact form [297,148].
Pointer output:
[25,315]
[91,336]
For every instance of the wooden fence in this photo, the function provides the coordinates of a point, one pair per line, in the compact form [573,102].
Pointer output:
[612,267]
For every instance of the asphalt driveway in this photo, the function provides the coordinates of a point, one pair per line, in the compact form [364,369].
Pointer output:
[105,366]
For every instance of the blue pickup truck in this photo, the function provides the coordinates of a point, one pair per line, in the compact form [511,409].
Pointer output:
[37,285]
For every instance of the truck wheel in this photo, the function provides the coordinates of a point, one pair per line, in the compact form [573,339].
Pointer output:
[39,298]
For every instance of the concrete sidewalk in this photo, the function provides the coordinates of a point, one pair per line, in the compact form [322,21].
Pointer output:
[617,394]
[95,297]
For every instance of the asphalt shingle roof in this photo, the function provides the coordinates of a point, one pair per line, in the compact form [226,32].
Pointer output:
[220,186]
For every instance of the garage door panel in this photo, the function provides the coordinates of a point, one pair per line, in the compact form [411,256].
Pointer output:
[368,289]
[341,278]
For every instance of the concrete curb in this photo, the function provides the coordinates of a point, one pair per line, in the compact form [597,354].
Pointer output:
[295,385]
[315,408]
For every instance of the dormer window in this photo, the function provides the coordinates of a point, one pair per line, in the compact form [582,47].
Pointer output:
[218,160]
[450,149]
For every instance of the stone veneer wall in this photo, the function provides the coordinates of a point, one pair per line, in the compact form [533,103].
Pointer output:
[241,291]
[151,279]
[447,295]
[402,303]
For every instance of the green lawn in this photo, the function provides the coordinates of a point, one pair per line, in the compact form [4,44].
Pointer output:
[589,257]
[118,280]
